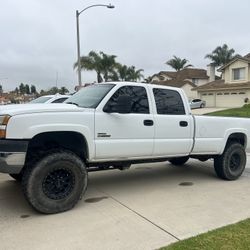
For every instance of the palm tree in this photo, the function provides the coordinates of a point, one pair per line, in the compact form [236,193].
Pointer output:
[108,64]
[133,74]
[100,62]
[122,71]
[177,63]
[148,79]
[221,55]
[125,73]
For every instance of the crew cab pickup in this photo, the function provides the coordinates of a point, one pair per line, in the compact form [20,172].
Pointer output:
[51,148]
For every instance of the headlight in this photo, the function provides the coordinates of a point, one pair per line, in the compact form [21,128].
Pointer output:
[3,122]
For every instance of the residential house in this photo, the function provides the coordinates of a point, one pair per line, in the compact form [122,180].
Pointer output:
[187,79]
[233,90]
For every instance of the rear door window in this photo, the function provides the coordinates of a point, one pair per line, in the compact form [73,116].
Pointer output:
[168,102]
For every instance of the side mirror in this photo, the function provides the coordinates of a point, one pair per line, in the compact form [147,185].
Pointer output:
[123,105]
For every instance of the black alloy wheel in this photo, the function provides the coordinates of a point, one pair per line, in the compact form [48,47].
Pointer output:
[58,184]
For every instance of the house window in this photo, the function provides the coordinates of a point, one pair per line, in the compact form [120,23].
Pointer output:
[233,93]
[239,74]
[195,81]
[210,94]
[219,93]
[242,93]
[226,93]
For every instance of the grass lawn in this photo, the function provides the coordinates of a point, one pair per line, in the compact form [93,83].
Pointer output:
[236,112]
[232,237]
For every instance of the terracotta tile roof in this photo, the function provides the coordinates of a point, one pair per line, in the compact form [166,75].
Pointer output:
[247,56]
[171,74]
[188,73]
[220,84]
[174,83]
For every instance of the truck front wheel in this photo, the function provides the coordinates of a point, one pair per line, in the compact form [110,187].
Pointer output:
[179,161]
[231,164]
[55,183]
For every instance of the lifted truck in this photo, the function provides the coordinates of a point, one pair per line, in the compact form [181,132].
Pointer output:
[51,148]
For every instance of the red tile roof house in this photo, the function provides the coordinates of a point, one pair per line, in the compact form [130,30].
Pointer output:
[233,90]
[187,79]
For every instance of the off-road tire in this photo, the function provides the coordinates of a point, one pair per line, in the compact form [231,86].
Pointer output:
[179,161]
[55,183]
[17,177]
[231,164]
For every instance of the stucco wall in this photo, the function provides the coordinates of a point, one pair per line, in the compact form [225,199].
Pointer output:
[235,65]
[190,94]
[202,81]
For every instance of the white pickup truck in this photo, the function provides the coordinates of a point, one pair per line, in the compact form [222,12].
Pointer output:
[51,148]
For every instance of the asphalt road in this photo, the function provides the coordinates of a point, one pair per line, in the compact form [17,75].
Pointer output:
[146,207]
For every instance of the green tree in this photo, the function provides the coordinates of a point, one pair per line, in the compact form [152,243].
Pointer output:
[17,90]
[63,90]
[122,72]
[1,89]
[22,88]
[125,73]
[148,79]
[53,91]
[134,74]
[33,89]
[108,64]
[27,89]
[221,55]
[177,63]
[101,63]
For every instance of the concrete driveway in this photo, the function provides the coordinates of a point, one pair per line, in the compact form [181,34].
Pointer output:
[146,207]
[203,111]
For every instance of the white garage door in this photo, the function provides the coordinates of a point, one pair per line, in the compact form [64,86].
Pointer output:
[209,99]
[230,99]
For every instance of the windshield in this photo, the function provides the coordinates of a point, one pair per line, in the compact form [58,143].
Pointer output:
[90,96]
[41,99]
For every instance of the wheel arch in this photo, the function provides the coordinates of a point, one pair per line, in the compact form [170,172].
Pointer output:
[73,141]
[239,137]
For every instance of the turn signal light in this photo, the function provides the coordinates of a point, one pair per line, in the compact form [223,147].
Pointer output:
[2,133]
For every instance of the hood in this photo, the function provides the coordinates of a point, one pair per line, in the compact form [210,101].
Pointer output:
[17,109]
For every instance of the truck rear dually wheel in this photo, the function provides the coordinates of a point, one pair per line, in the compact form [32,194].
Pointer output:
[179,160]
[56,182]
[231,164]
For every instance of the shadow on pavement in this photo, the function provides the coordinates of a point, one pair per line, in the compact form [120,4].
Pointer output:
[140,178]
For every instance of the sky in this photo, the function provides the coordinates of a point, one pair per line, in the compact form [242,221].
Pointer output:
[38,37]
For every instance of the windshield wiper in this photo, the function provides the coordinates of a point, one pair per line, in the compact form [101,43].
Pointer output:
[74,103]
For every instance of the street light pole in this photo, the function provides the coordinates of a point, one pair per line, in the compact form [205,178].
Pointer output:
[78,13]
[78,50]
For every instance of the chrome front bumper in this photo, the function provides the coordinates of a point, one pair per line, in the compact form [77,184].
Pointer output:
[12,155]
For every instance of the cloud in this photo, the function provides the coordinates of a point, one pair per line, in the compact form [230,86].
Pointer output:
[38,38]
